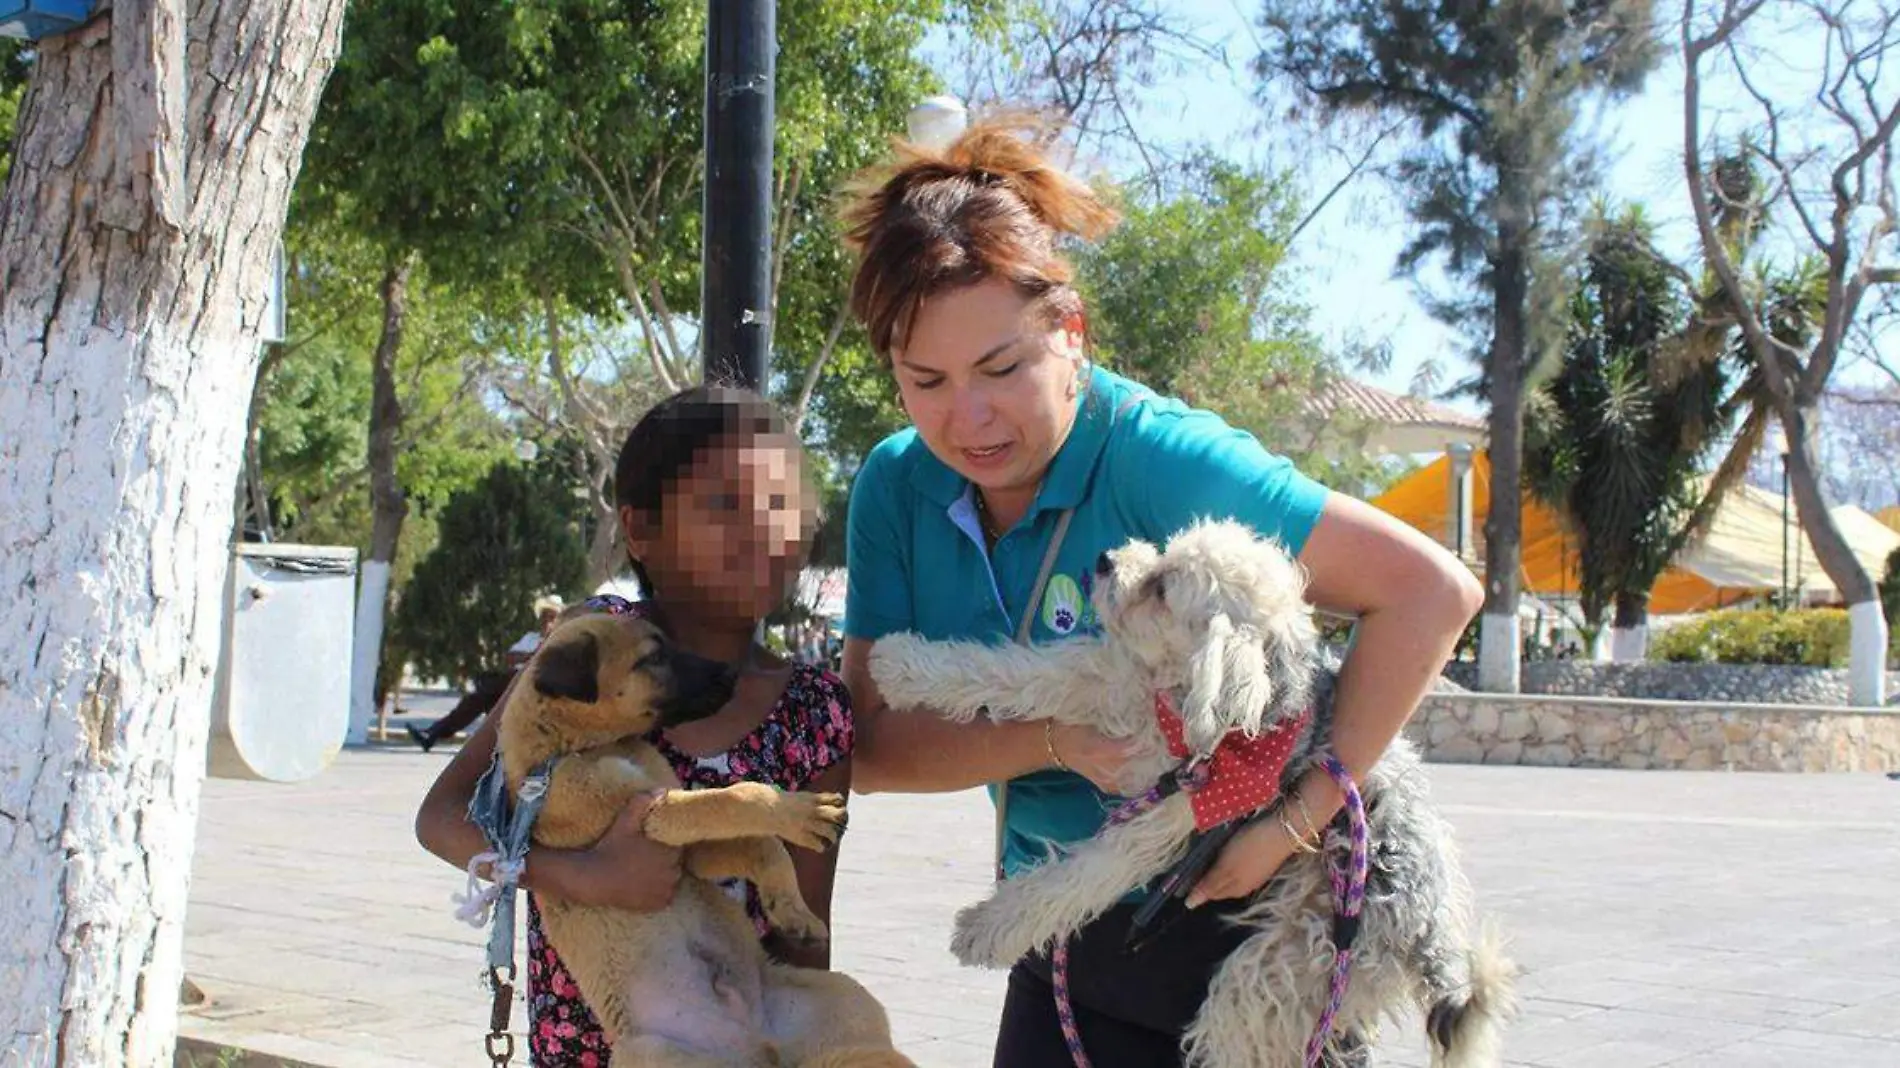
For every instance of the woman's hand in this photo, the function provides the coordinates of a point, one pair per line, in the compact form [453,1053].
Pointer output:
[1094,756]
[625,869]
[1245,864]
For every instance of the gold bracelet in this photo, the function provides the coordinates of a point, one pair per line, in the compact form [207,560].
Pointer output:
[1300,844]
[1049,741]
[1318,832]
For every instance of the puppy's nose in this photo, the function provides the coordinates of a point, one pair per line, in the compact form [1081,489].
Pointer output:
[1103,565]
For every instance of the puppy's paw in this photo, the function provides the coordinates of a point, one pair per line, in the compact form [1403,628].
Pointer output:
[814,821]
[788,915]
[984,938]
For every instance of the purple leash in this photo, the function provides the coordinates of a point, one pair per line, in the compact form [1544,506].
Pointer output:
[1190,778]
[1349,899]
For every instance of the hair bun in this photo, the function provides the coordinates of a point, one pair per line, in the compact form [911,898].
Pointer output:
[1009,149]
[1012,149]
[990,204]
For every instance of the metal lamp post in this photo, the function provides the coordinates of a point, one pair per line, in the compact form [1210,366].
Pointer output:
[735,299]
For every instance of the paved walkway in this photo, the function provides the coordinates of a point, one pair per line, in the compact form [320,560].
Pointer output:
[1697,920]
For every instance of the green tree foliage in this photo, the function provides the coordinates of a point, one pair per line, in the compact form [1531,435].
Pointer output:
[314,396]
[1890,588]
[513,536]
[14,60]
[564,138]
[1193,296]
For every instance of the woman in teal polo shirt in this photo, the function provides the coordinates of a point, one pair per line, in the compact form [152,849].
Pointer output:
[1022,452]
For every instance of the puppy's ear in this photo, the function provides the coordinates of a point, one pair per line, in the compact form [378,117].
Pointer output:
[1228,685]
[569,668]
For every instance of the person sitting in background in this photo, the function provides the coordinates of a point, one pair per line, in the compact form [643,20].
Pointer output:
[490,685]
[547,610]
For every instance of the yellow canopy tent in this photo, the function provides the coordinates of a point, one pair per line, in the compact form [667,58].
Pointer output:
[1739,557]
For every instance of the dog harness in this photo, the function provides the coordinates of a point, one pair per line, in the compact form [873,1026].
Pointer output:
[507,828]
[1243,774]
[1228,789]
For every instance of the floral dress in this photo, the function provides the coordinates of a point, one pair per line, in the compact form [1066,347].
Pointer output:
[807,731]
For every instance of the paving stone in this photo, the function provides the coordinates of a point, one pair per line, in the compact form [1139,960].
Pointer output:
[1681,918]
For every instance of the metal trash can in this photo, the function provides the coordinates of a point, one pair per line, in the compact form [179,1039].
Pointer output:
[282,696]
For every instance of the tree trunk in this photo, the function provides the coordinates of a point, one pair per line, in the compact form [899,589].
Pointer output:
[1499,653]
[388,507]
[1867,648]
[153,165]
[604,559]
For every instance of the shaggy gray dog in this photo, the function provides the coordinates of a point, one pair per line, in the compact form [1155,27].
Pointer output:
[1219,623]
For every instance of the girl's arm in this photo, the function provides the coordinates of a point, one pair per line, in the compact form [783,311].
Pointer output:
[817,874]
[625,869]
[1413,599]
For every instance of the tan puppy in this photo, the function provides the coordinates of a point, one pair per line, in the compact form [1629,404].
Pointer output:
[689,986]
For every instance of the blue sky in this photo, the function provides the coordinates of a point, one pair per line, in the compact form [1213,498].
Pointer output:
[1345,258]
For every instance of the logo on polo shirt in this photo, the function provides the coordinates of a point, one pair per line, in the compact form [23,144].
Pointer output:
[1062,605]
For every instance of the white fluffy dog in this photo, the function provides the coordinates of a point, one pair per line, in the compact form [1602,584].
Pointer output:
[1219,623]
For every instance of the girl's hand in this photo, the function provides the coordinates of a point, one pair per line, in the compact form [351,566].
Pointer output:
[626,869]
[1094,756]
[1245,864]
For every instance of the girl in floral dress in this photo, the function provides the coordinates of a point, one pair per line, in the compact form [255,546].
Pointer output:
[717,515]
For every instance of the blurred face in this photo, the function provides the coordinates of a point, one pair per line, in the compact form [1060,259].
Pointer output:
[990,383]
[733,530]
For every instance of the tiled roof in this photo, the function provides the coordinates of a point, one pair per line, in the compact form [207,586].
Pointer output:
[1391,409]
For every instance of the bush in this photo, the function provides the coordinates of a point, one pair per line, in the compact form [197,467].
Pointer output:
[1809,637]
[506,540]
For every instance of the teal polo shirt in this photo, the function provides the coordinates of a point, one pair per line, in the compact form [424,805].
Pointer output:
[1136,465]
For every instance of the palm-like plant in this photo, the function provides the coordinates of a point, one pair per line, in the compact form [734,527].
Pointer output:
[1619,434]
[1651,381]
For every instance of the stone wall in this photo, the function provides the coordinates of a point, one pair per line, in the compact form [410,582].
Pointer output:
[1471,728]
[1766,684]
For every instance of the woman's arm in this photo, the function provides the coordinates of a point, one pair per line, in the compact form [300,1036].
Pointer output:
[817,874]
[625,869]
[916,752]
[1413,599]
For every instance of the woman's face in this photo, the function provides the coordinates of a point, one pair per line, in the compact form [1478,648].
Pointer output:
[733,529]
[990,385]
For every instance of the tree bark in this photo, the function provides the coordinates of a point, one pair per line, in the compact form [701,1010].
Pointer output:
[388,505]
[1499,652]
[155,153]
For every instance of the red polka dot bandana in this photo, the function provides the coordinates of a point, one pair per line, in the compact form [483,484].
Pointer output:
[1244,772]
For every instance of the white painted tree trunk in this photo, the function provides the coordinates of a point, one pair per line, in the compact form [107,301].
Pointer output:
[372,595]
[154,158]
[1629,645]
[1600,646]
[1867,654]
[389,507]
[1499,640]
